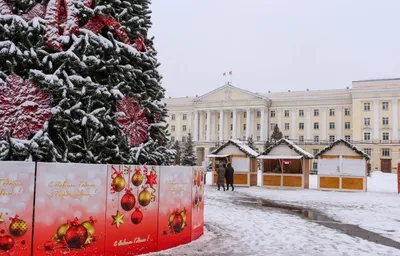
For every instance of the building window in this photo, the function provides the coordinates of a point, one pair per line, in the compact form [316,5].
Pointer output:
[316,138]
[347,125]
[301,112]
[172,128]
[172,138]
[332,125]
[258,114]
[183,138]
[385,151]
[244,127]
[231,114]
[301,138]
[286,137]
[385,105]
[258,127]
[184,128]
[231,127]
[244,114]
[301,126]
[184,116]
[258,138]
[331,112]
[218,127]
[367,151]
[316,112]
[205,114]
[331,138]
[287,113]
[205,127]
[272,126]
[287,126]
[347,138]
[316,126]
[367,121]
[385,136]
[173,117]
[346,111]
[315,151]
[385,120]
[367,136]
[315,165]
[219,115]
[272,113]
[367,106]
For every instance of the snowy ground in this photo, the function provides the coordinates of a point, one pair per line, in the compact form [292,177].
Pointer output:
[233,228]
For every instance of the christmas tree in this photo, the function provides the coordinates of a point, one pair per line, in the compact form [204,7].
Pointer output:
[276,134]
[189,157]
[79,83]
[177,148]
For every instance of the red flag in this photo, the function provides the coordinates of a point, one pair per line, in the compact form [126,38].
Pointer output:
[230,73]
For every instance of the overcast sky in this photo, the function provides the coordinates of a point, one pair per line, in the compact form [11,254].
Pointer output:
[275,45]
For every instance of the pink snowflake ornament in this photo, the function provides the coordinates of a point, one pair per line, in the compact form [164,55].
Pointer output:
[24,108]
[133,121]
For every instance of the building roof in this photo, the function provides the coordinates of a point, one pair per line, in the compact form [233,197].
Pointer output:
[346,143]
[292,146]
[240,145]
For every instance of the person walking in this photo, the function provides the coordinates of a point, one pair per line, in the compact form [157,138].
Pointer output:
[221,177]
[229,176]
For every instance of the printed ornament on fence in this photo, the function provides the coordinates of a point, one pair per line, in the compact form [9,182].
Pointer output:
[176,222]
[24,108]
[130,200]
[198,182]
[62,21]
[16,229]
[73,235]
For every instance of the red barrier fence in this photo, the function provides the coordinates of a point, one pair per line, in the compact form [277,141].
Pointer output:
[81,209]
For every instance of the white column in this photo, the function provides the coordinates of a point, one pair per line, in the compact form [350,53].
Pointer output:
[178,127]
[226,125]
[252,120]
[196,126]
[376,119]
[308,124]
[262,124]
[395,119]
[340,123]
[293,126]
[190,120]
[247,123]
[213,125]
[201,126]
[279,114]
[323,125]
[221,124]
[267,124]
[234,124]
[208,132]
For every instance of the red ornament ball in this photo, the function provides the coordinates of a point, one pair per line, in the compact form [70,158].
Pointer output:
[177,223]
[137,216]
[2,231]
[76,236]
[128,201]
[23,242]
[6,242]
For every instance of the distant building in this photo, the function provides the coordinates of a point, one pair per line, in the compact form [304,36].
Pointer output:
[366,114]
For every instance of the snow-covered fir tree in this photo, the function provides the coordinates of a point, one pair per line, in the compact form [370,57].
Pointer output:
[250,142]
[92,92]
[188,157]
[177,148]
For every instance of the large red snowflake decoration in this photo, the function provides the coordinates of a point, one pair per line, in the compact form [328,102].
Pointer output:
[133,121]
[65,13]
[23,107]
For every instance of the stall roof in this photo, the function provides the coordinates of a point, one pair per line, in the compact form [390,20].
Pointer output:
[242,146]
[291,145]
[215,156]
[346,143]
[278,157]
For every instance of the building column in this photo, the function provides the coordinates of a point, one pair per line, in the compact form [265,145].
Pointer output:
[252,126]
[267,124]
[201,126]
[308,124]
[190,119]
[278,112]
[213,126]
[208,132]
[262,124]
[221,125]
[178,127]
[323,125]
[376,120]
[234,125]
[247,123]
[226,126]
[340,121]
[293,126]
[196,126]
[395,121]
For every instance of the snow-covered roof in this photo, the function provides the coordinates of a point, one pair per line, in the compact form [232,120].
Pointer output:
[346,143]
[291,145]
[242,146]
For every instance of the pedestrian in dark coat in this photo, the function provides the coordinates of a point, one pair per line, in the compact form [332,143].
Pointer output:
[221,177]
[229,176]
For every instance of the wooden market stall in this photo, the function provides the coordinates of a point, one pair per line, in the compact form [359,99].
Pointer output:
[243,160]
[342,166]
[285,165]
